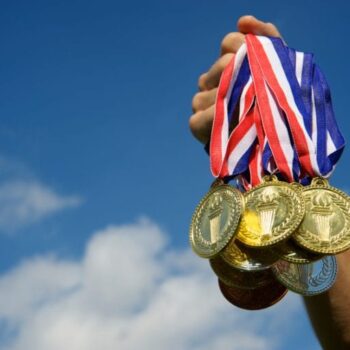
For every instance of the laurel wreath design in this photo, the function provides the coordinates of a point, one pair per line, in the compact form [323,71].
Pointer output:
[235,202]
[338,242]
[295,215]
[233,253]
[324,275]
[292,256]
[322,281]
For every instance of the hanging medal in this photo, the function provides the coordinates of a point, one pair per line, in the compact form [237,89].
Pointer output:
[248,259]
[326,225]
[238,278]
[274,131]
[307,279]
[289,251]
[273,211]
[216,218]
[254,299]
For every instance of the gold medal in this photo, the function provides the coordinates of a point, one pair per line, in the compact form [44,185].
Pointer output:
[326,225]
[307,279]
[289,251]
[240,279]
[215,220]
[247,259]
[254,299]
[273,210]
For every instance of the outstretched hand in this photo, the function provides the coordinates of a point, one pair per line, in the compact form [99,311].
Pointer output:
[203,102]
[330,311]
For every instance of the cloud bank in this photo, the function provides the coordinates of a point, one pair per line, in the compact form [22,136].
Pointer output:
[23,202]
[130,291]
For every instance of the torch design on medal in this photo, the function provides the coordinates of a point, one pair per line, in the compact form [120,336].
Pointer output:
[215,211]
[305,273]
[322,212]
[267,211]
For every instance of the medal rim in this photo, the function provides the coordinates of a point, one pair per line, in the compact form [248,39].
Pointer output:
[240,266]
[298,238]
[263,290]
[303,292]
[233,277]
[204,253]
[275,250]
[295,222]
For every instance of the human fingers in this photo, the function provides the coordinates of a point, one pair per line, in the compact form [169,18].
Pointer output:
[201,122]
[203,105]
[203,100]
[210,80]
[231,43]
[252,25]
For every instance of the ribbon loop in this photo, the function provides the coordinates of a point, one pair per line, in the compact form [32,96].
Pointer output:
[273,114]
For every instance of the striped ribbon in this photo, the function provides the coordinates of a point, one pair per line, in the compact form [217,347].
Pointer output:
[273,114]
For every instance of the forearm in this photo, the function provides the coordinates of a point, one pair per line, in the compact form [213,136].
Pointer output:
[330,312]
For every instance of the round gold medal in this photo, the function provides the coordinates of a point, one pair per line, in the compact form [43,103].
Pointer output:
[245,258]
[325,228]
[240,279]
[307,279]
[289,251]
[215,220]
[273,210]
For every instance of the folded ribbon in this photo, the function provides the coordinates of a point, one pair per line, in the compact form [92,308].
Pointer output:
[273,114]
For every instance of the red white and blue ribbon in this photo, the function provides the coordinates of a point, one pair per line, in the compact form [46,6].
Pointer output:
[273,114]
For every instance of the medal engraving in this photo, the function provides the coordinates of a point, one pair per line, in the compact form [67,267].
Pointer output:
[322,212]
[247,259]
[273,211]
[214,214]
[267,208]
[215,220]
[326,225]
[307,279]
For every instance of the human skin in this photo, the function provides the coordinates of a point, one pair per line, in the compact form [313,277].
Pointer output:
[329,312]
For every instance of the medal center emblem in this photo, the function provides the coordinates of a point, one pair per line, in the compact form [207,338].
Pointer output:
[214,215]
[215,220]
[322,213]
[267,208]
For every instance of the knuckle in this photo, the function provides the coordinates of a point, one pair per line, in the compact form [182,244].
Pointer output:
[202,81]
[224,60]
[272,28]
[226,43]
[197,102]
[193,123]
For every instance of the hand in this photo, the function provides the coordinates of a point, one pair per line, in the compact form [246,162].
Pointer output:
[203,102]
[330,311]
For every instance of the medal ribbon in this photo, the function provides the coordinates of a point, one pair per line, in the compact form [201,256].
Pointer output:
[277,103]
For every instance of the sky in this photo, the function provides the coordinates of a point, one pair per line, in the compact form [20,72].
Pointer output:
[99,173]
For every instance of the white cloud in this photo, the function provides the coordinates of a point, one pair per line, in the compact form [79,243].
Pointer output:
[130,291]
[23,202]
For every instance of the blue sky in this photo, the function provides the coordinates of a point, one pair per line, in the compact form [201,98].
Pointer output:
[95,100]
